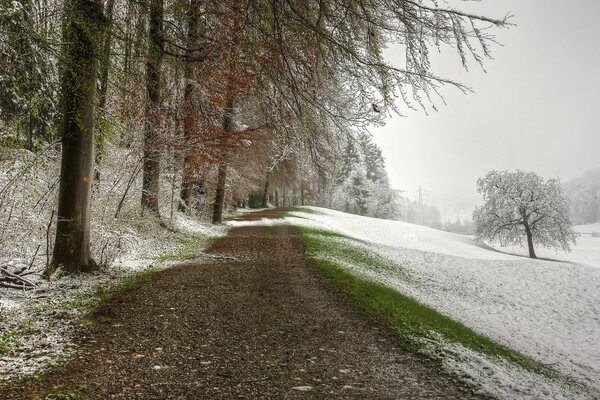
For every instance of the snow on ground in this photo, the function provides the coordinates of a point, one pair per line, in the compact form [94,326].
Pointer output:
[586,251]
[547,310]
[588,229]
[394,233]
[44,318]
[35,325]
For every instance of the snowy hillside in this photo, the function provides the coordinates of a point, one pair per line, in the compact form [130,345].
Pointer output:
[546,310]
[586,251]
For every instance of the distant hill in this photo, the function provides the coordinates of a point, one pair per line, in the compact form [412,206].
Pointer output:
[584,193]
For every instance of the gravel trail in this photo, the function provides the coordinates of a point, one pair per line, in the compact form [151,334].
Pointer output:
[264,325]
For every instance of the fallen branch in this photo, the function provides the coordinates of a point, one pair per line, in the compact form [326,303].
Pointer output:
[12,286]
[211,257]
[14,278]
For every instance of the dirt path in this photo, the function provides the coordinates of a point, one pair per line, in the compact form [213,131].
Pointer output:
[265,326]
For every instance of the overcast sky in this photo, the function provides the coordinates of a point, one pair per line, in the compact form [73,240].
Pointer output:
[536,108]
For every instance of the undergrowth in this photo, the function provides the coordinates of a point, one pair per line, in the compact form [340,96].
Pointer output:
[14,338]
[76,302]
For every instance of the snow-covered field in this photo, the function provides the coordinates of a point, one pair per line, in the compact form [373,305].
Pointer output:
[547,310]
[588,229]
[587,250]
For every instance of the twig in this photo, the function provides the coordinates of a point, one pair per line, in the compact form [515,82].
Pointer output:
[31,164]
[136,171]
[33,258]
[48,246]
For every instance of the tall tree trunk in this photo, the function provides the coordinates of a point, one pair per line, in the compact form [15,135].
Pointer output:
[105,55]
[222,175]
[128,39]
[220,193]
[302,195]
[104,69]
[151,179]
[187,172]
[276,198]
[186,193]
[266,190]
[198,190]
[82,27]
[530,241]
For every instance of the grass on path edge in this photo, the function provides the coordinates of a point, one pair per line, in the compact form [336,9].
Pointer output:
[409,319]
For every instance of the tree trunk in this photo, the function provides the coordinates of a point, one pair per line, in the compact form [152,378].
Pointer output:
[302,195]
[105,55]
[186,194]
[187,173]
[83,24]
[266,190]
[128,39]
[220,194]
[151,179]
[198,193]
[530,242]
[222,175]
[104,69]
[276,198]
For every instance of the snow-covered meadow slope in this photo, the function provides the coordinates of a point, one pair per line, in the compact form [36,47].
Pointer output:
[587,250]
[547,310]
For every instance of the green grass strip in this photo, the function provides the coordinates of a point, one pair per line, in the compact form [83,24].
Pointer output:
[406,316]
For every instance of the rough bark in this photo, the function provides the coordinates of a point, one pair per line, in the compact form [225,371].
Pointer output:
[150,183]
[199,191]
[222,175]
[128,39]
[220,193]
[105,55]
[185,194]
[104,69]
[266,190]
[83,24]
[529,235]
[187,180]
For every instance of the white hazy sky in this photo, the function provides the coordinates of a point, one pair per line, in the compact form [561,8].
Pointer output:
[536,108]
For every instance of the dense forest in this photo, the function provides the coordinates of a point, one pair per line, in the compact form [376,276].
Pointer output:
[114,111]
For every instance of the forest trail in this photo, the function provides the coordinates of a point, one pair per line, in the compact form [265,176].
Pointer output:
[263,325]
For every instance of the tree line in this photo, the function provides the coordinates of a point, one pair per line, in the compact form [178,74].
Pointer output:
[248,100]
